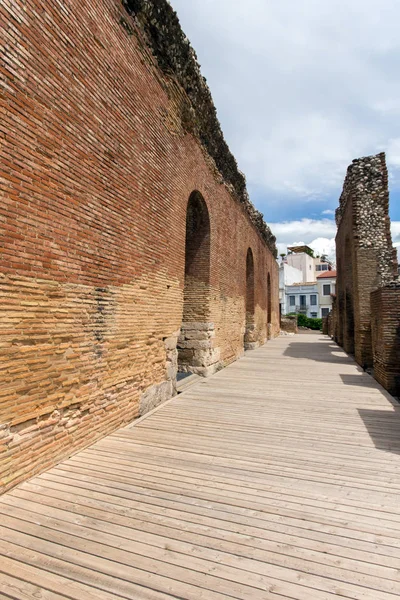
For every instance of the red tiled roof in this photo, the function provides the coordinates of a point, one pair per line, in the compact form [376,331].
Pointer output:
[327,275]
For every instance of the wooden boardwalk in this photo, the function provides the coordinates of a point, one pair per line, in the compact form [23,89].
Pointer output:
[277,478]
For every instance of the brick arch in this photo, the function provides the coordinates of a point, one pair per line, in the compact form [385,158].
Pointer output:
[196,352]
[197,260]
[249,340]
[269,299]
[249,287]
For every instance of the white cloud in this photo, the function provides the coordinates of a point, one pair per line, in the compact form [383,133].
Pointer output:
[318,234]
[395,229]
[304,229]
[324,246]
[393,152]
[301,87]
[328,212]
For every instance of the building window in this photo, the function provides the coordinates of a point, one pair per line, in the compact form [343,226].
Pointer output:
[318,268]
[313,300]
[313,315]
[324,312]
[302,300]
[324,267]
[326,289]
[292,300]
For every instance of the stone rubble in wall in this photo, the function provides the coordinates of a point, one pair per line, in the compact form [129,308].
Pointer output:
[171,350]
[366,184]
[195,348]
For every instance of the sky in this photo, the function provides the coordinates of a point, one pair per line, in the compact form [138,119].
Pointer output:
[302,87]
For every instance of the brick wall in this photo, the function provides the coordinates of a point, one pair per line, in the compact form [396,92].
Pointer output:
[385,325]
[97,168]
[364,252]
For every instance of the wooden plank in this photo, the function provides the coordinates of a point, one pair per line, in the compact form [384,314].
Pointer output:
[252,526]
[280,553]
[223,501]
[27,582]
[133,472]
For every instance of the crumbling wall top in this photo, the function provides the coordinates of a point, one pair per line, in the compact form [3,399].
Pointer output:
[176,56]
[366,188]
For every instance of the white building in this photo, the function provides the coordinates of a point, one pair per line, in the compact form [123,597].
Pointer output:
[287,276]
[306,283]
[302,298]
[302,258]
[302,261]
[326,283]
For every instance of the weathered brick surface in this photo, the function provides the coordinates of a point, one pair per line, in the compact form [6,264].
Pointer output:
[365,255]
[97,168]
[385,325]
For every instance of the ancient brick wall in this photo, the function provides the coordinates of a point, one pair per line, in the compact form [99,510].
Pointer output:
[385,328]
[103,143]
[365,256]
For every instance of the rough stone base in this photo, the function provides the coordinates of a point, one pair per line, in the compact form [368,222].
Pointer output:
[155,395]
[160,392]
[207,371]
[172,359]
[250,338]
[195,351]
[251,345]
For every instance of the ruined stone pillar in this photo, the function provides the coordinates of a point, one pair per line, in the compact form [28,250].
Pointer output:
[365,258]
[195,349]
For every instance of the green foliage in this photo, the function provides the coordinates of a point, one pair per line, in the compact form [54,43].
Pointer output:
[303,321]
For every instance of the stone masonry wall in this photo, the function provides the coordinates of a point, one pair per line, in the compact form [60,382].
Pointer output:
[99,156]
[366,259]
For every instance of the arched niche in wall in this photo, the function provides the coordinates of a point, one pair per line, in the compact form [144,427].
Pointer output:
[196,353]
[249,339]
[269,299]
[196,295]
[269,306]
